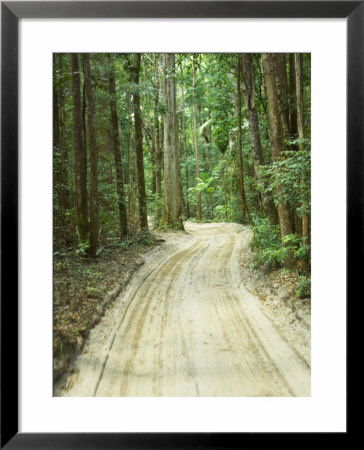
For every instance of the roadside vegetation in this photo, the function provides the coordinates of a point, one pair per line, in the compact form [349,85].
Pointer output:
[173,137]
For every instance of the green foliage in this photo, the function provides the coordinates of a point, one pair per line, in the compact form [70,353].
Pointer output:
[82,248]
[292,173]
[267,243]
[304,287]
[273,252]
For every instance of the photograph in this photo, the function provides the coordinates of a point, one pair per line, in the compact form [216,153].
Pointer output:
[181,224]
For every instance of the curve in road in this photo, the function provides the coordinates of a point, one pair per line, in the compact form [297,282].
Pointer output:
[187,326]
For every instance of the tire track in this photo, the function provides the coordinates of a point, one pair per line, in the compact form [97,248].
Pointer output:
[188,327]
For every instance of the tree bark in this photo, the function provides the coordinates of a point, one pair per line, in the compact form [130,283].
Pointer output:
[276,133]
[139,146]
[194,112]
[116,143]
[300,127]
[94,196]
[157,146]
[281,77]
[292,97]
[248,75]
[80,154]
[132,192]
[184,137]
[244,204]
[173,200]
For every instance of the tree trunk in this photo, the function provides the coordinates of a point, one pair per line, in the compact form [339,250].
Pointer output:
[300,128]
[276,134]
[173,200]
[248,75]
[139,146]
[281,77]
[80,155]
[57,158]
[194,112]
[116,143]
[244,205]
[94,196]
[184,137]
[292,97]
[131,163]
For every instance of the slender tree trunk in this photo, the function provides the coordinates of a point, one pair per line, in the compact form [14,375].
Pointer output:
[280,62]
[157,145]
[244,204]
[248,75]
[131,163]
[65,195]
[116,143]
[292,97]
[276,134]
[139,146]
[94,196]
[173,200]
[194,112]
[282,86]
[184,137]
[57,157]
[80,154]
[300,127]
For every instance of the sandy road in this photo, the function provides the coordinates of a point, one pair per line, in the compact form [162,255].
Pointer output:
[186,326]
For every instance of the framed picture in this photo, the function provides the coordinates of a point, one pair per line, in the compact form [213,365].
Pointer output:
[40,36]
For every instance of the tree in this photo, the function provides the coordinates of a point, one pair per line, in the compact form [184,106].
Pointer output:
[158,137]
[80,156]
[270,68]
[195,143]
[184,138]
[61,188]
[248,74]
[135,69]
[94,195]
[298,59]
[132,192]
[116,144]
[244,205]
[173,200]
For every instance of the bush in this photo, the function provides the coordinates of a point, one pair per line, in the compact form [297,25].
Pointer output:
[270,250]
[304,287]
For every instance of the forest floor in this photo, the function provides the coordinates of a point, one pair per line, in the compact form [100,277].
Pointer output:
[187,325]
[276,290]
[85,289]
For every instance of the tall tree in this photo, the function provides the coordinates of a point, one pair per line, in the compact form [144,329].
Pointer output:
[173,200]
[270,68]
[157,150]
[282,87]
[292,97]
[184,138]
[80,154]
[135,70]
[248,73]
[301,127]
[61,218]
[244,204]
[94,195]
[116,144]
[195,143]
[132,192]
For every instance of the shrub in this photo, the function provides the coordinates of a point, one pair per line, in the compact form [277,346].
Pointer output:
[270,250]
[304,287]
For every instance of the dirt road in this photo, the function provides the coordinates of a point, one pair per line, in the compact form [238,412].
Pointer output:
[187,326]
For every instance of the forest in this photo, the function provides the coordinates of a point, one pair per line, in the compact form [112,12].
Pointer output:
[150,141]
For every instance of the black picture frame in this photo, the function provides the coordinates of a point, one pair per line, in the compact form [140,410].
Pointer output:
[11,12]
